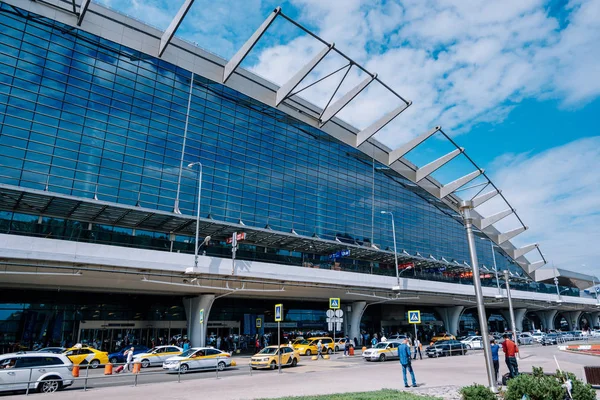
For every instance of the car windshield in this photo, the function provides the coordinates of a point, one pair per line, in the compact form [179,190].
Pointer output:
[301,341]
[188,353]
[268,350]
[380,346]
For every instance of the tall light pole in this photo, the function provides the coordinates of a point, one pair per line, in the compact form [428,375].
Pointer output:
[495,268]
[190,165]
[395,249]
[556,284]
[466,206]
[510,307]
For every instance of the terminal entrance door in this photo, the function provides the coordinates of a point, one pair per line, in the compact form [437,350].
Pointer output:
[113,335]
[222,329]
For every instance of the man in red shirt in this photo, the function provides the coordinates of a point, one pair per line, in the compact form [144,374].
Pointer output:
[510,350]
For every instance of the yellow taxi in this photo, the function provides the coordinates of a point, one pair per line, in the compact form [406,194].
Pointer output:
[269,357]
[309,347]
[442,336]
[157,355]
[83,355]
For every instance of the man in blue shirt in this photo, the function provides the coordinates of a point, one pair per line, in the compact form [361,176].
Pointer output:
[404,356]
[495,347]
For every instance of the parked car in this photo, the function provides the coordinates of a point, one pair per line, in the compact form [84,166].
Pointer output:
[525,338]
[382,351]
[269,357]
[308,347]
[397,337]
[538,336]
[550,339]
[47,372]
[157,355]
[119,356]
[83,355]
[446,348]
[473,342]
[198,358]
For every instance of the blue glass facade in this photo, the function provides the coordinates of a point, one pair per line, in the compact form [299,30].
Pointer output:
[84,116]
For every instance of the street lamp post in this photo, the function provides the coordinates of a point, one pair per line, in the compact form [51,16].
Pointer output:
[466,206]
[395,250]
[557,289]
[510,307]
[190,165]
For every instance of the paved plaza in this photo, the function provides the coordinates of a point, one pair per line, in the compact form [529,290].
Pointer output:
[441,377]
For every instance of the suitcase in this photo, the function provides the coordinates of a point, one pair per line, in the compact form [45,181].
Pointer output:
[505,378]
[120,369]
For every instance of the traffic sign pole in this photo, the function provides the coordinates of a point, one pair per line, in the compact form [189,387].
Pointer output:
[279,343]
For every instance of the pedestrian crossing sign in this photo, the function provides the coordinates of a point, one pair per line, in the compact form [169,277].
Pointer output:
[334,303]
[258,322]
[278,312]
[202,315]
[414,317]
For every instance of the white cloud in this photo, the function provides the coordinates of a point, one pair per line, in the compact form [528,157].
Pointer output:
[558,193]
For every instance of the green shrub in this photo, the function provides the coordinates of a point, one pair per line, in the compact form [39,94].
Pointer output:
[536,386]
[580,390]
[477,392]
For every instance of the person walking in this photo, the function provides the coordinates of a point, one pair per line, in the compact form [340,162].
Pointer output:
[495,359]
[347,346]
[320,349]
[129,365]
[418,348]
[186,345]
[404,356]
[374,340]
[510,350]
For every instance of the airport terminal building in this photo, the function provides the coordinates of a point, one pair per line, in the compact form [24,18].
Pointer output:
[118,143]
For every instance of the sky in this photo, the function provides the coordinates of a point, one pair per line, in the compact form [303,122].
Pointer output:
[516,83]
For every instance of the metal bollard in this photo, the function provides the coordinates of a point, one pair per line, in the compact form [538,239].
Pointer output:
[28,381]
[87,372]
[250,365]
[135,381]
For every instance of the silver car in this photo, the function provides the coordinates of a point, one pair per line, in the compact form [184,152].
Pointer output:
[46,372]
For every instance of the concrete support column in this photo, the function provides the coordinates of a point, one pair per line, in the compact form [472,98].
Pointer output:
[197,330]
[547,317]
[519,316]
[594,322]
[572,318]
[451,317]
[354,317]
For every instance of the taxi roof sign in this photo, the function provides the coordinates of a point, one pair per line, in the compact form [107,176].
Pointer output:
[334,303]
[278,312]
[414,317]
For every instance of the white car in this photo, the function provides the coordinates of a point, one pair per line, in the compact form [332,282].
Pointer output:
[525,338]
[157,355]
[382,351]
[198,358]
[47,372]
[473,342]
[538,336]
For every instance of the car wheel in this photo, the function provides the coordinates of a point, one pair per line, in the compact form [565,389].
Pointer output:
[468,346]
[145,363]
[337,348]
[382,357]
[49,385]
[94,364]
[329,351]
[308,352]
[183,368]
[294,362]
[273,365]
[113,360]
[221,365]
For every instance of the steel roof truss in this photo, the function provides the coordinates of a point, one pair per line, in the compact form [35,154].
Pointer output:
[343,101]
[479,200]
[170,32]
[376,126]
[445,190]
[85,4]
[401,151]
[430,168]
[483,223]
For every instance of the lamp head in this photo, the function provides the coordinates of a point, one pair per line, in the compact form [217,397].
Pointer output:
[190,165]
[384,212]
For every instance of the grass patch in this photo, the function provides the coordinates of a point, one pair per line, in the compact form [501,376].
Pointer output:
[385,394]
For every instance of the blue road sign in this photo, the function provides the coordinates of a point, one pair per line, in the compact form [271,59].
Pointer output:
[278,312]
[339,254]
[414,317]
[334,303]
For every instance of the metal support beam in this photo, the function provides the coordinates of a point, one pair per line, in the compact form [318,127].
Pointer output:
[428,169]
[483,223]
[479,200]
[376,126]
[530,267]
[247,47]
[506,236]
[445,190]
[85,4]
[397,154]
[517,253]
[168,34]
[336,107]
[287,88]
